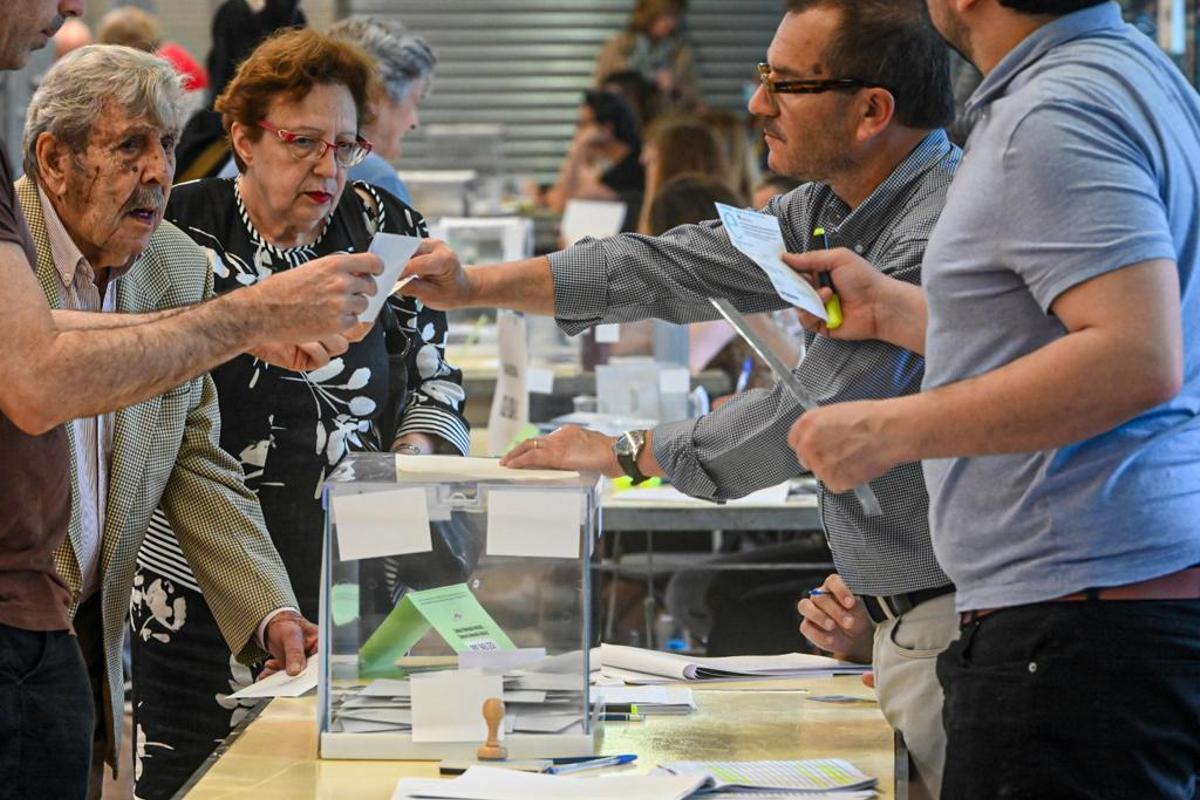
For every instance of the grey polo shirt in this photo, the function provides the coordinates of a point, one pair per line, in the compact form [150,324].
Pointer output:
[1085,159]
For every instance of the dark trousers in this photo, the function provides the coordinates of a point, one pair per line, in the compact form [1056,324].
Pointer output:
[89,630]
[1068,700]
[46,716]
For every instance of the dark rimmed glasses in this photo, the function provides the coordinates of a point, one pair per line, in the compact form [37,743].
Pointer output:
[811,85]
[313,148]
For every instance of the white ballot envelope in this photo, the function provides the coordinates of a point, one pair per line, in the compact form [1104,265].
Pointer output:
[395,250]
[759,238]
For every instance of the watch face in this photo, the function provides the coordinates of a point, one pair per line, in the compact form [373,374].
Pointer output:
[624,446]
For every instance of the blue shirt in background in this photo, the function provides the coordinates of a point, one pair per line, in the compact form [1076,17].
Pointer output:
[1085,159]
[374,170]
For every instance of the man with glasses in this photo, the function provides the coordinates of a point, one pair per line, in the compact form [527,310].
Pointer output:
[853,101]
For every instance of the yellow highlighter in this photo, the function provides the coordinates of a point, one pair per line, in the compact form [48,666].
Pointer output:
[834,307]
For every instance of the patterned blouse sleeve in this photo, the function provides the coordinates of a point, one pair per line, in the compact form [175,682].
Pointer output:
[438,398]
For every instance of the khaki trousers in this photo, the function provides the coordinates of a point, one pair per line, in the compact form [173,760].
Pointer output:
[905,661]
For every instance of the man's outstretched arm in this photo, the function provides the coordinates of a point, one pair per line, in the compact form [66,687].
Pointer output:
[49,375]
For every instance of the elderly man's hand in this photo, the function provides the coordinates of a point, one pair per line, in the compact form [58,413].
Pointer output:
[845,444]
[836,621]
[570,447]
[320,298]
[290,639]
[442,282]
[302,357]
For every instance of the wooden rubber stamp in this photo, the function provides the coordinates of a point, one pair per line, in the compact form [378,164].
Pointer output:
[493,714]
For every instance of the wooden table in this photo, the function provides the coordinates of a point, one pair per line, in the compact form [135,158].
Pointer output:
[275,756]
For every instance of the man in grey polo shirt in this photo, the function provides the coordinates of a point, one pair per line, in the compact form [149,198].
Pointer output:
[1059,422]
[878,168]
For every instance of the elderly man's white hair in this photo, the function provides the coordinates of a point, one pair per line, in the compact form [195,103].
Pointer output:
[73,95]
[403,58]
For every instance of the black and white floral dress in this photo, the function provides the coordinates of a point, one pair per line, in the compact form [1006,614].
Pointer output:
[288,429]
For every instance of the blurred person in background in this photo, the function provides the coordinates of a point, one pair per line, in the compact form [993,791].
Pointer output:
[237,28]
[676,145]
[294,113]
[132,27]
[73,35]
[653,44]
[604,160]
[733,129]
[643,96]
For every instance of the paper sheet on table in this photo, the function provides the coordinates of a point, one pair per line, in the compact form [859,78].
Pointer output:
[682,667]
[535,524]
[758,236]
[475,469]
[595,218]
[281,684]
[810,774]
[771,496]
[388,523]
[395,250]
[492,783]
[500,660]
[644,696]
[448,706]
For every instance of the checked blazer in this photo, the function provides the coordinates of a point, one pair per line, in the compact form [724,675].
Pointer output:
[166,453]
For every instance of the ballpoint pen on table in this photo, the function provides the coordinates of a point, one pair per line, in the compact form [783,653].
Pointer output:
[597,763]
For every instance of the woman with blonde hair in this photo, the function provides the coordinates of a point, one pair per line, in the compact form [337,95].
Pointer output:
[654,45]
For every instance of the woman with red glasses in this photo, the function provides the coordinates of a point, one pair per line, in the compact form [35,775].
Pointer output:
[294,113]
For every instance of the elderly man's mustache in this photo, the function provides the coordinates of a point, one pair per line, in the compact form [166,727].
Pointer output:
[145,198]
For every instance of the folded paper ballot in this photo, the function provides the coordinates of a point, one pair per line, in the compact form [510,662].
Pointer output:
[651,663]
[491,783]
[814,775]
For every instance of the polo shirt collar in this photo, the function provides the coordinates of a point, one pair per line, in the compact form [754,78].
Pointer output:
[1103,17]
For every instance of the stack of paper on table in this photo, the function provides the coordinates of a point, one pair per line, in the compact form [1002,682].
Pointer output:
[534,702]
[828,777]
[490,783]
[646,699]
[636,665]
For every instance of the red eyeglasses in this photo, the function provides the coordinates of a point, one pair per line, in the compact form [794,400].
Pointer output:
[313,148]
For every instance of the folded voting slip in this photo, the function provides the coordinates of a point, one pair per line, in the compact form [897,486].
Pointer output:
[693,668]
[491,783]
[647,699]
[825,775]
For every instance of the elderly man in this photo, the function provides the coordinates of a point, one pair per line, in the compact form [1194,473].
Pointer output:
[1060,422]
[877,167]
[61,365]
[98,142]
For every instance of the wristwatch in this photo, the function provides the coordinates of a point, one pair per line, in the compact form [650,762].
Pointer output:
[628,448]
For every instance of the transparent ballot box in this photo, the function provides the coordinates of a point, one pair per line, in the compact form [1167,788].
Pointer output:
[447,582]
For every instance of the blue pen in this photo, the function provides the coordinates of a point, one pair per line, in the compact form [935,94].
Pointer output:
[595,763]
[744,376]
[816,592]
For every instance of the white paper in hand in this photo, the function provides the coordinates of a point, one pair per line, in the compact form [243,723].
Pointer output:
[758,237]
[395,250]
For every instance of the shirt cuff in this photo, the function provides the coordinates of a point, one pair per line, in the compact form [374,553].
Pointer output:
[580,286]
[262,626]
[676,454]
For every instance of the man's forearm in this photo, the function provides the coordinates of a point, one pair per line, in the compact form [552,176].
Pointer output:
[520,285]
[904,317]
[66,320]
[131,363]
[1078,387]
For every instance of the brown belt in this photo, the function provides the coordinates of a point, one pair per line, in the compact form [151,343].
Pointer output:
[1182,585]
